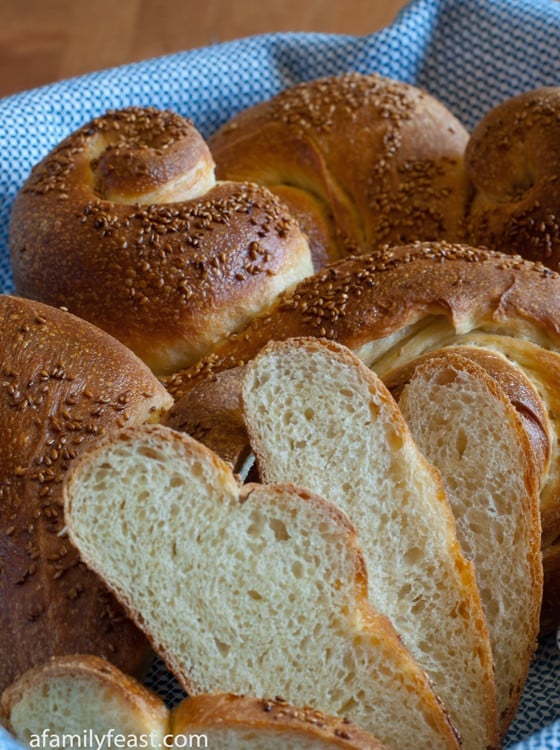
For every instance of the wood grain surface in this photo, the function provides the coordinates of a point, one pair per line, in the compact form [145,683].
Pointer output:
[42,41]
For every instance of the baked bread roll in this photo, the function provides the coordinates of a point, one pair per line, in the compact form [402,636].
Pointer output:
[467,427]
[317,417]
[361,160]
[65,383]
[513,162]
[259,589]
[124,224]
[88,698]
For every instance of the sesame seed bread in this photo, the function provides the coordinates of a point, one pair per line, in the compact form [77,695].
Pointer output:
[391,306]
[64,383]
[124,224]
[513,162]
[88,698]
[254,589]
[361,160]
[316,416]
[211,413]
[468,428]
[79,694]
[235,722]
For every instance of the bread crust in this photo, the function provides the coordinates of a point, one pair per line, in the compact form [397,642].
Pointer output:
[272,716]
[106,226]
[362,301]
[64,384]
[361,160]
[513,162]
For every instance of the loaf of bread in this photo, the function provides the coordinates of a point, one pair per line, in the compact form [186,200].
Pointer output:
[316,416]
[64,384]
[361,160]
[391,306]
[466,425]
[124,224]
[259,589]
[513,163]
[85,697]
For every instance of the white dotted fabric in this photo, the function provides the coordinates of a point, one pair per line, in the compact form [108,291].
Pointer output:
[471,54]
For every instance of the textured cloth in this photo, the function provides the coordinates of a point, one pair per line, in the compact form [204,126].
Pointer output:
[471,54]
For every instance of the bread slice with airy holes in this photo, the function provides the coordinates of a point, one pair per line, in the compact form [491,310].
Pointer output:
[467,426]
[254,589]
[85,698]
[82,696]
[318,417]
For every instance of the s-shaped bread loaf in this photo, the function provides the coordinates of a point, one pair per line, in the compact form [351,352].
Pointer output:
[316,416]
[64,383]
[86,697]
[124,224]
[255,589]
[466,425]
[361,160]
[513,162]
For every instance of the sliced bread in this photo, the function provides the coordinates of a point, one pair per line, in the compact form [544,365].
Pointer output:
[257,590]
[320,418]
[82,696]
[465,424]
[85,701]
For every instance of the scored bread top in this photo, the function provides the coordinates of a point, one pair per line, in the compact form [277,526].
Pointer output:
[258,589]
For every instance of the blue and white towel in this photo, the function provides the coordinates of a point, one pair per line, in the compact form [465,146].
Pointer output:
[471,54]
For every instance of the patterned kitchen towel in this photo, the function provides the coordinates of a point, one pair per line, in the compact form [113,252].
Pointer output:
[471,54]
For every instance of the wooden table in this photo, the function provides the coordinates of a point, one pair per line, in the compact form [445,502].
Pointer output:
[47,40]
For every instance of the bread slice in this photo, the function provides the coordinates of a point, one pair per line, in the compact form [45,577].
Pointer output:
[257,590]
[465,425]
[318,417]
[85,698]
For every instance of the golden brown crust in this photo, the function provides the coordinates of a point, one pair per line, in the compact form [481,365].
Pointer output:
[362,300]
[103,227]
[211,413]
[64,384]
[380,161]
[272,716]
[513,161]
[98,672]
